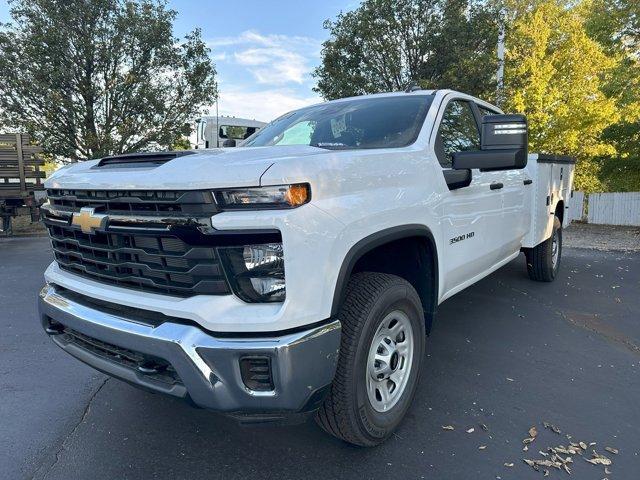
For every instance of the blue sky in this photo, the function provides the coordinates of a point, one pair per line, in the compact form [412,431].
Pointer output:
[264,50]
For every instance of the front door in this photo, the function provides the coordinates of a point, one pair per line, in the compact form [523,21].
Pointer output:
[472,219]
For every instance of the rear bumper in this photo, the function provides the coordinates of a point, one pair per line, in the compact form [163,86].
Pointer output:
[196,365]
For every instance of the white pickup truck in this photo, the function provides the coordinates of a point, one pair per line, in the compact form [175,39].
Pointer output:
[300,273]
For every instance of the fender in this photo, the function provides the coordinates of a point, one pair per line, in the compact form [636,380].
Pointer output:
[380,238]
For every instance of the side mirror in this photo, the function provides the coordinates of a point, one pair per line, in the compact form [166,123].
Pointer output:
[504,145]
[229,142]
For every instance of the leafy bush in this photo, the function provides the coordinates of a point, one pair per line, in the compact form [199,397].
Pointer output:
[620,174]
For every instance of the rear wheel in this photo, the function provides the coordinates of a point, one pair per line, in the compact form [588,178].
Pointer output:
[382,346]
[543,261]
[6,225]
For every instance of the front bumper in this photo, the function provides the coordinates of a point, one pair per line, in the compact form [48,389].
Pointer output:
[200,366]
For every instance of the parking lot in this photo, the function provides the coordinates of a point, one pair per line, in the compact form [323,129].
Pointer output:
[506,353]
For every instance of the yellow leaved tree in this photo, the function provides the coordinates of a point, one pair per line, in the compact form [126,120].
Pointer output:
[555,74]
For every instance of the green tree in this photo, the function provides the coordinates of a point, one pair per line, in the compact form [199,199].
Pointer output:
[383,45]
[100,77]
[556,74]
[616,25]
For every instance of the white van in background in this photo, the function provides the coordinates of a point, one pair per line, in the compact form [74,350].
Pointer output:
[213,132]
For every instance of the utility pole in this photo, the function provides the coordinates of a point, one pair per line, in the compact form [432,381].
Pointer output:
[500,73]
[217,122]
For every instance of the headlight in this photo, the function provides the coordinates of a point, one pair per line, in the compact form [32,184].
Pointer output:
[274,197]
[256,272]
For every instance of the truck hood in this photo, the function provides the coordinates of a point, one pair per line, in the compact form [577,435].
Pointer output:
[215,168]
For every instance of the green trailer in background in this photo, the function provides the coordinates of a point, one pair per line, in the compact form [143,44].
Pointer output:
[21,179]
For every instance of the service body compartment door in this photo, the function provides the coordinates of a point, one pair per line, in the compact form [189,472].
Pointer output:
[552,177]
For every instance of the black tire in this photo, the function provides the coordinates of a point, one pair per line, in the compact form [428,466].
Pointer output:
[6,226]
[347,412]
[540,265]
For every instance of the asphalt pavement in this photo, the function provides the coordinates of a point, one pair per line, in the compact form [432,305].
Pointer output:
[507,353]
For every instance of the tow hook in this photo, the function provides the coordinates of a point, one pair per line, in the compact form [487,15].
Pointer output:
[151,368]
[55,329]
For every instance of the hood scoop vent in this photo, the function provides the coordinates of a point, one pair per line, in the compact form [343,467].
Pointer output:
[140,160]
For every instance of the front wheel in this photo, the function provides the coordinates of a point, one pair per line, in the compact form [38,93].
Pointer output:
[381,351]
[543,261]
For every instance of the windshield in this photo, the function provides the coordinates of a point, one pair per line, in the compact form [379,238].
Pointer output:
[383,122]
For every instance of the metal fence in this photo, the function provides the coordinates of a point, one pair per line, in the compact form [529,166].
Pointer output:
[606,208]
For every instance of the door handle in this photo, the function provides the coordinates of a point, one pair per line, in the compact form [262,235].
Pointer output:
[496,186]
[528,181]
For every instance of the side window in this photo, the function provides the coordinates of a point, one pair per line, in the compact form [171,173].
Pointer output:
[236,132]
[485,111]
[458,132]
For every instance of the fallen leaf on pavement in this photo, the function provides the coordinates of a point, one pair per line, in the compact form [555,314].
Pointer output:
[553,428]
[533,432]
[597,455]
[565,451]
[448,427]
[598,461]
[611,450]
[471,430]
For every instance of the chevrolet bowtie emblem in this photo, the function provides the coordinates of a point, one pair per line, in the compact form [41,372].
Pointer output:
[88,220]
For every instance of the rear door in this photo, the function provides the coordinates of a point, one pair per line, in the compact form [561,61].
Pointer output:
[472,215]
[516,218]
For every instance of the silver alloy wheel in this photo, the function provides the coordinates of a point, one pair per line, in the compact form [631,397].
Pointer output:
[554,250]
[389,361]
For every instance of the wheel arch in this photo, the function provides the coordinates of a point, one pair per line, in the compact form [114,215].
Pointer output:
[368,249]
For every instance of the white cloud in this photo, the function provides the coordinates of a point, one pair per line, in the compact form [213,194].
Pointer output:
[264,105]
[254,37]
[219,56]
[274,65]
[251,57]
[262,76]
[271,59]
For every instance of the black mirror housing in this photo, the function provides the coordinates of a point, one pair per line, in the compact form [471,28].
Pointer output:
[504,132]
[229,142]
[504,145]
[488,160]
